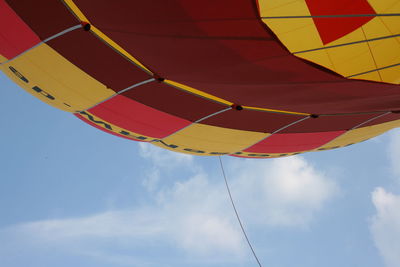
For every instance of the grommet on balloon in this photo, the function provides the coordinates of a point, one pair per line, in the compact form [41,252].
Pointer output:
[237,107]
[86,26]
[158,78]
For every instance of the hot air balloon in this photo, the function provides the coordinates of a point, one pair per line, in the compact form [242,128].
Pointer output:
[247,78]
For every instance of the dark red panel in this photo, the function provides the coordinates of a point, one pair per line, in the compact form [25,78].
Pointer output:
[98,60]
[383,119]
[329,123]
[45,17]
[287,143]
[318,98]
[331,29]
[174,101]
[222,48]
[16,36]
[210,41]
[250,120]
[138,118]
[269,122]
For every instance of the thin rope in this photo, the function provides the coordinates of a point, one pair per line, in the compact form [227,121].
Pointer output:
[236,212]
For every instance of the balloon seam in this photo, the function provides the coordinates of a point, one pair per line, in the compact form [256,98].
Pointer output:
[44,41]
[120,92]
[274,132]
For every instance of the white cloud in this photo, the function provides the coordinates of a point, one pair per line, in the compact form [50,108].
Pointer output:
[162,157]
[184,217]
[163,162]
[152,179]
[385,226]
[194,215]
[287,191]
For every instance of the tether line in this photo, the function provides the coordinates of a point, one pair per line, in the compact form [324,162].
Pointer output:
[236,212]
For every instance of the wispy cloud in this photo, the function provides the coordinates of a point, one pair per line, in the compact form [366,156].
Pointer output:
[385,225]
[193,215]
[163,162]
[164,158]
[183,218]
[288,191]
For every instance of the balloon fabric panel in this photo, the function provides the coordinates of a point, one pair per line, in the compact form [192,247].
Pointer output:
[212,77]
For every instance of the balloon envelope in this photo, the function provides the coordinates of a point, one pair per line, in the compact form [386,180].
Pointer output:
[264,78]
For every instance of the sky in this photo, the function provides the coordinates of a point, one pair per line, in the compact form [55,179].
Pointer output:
[72,195]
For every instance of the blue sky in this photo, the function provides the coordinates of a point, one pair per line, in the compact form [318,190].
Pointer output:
[71,195]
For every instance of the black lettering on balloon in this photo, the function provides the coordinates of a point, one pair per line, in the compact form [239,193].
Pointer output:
[92,119]
[194,150]
[218,153]
[126,133]
[170,146]
[18,74]
[44,93]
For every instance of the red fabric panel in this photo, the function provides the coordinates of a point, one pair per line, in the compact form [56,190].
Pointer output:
[174,101]
[287,143]
[45,17]
[136,117]
[331,29]
[222,48]
[15,35]
[102,128]
[99,60]
[250,120]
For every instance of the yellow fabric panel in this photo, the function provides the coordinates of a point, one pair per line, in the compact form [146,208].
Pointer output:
[392,23]
[370,76]
[351,59]
[360,134]
[201,139]
[387,51]
[391,75]
[2,59]
[291,32]
[346,60]
[321,57]
[116,129]
[54,80]
[384,6]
